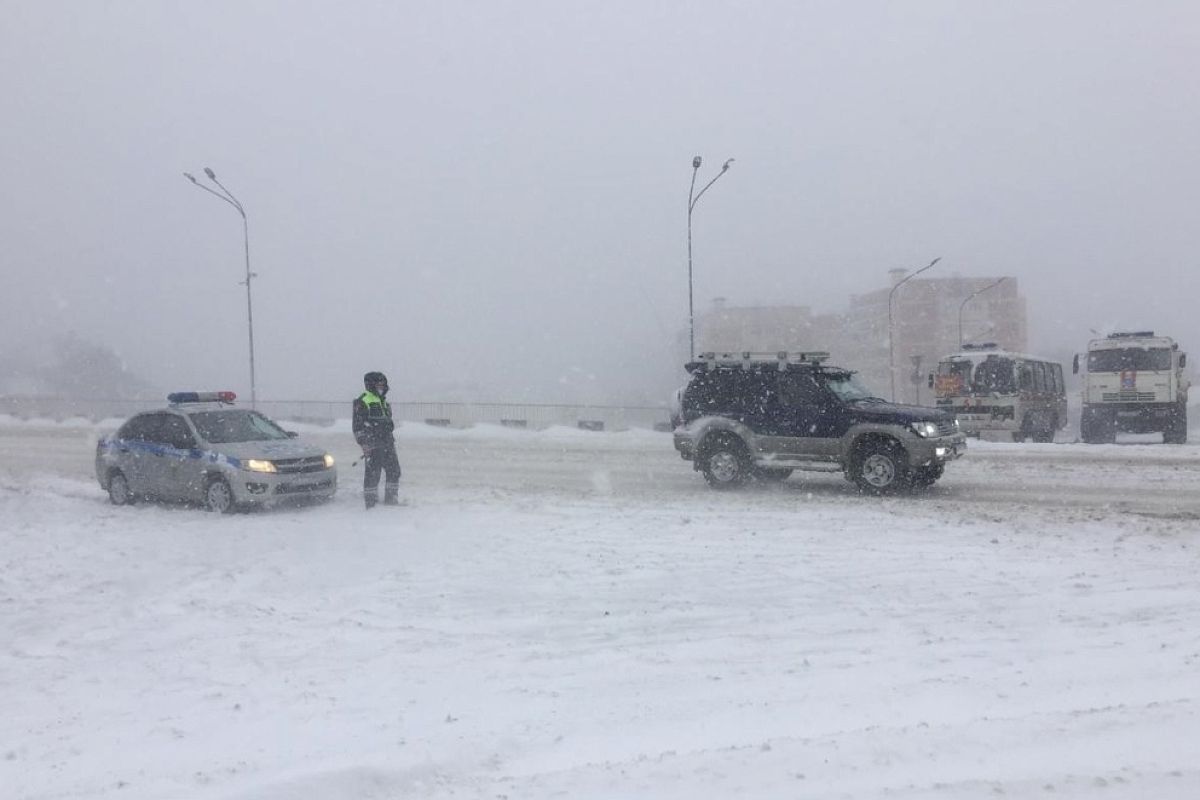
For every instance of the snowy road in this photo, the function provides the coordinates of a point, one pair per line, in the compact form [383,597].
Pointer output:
[572,614]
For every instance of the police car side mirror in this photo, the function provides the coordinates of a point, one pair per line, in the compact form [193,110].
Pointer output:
[291,434]
[1075,365]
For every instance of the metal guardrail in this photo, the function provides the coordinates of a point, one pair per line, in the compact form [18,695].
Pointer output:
[326,412]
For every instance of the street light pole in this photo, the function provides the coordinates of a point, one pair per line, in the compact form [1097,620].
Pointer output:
[228,197]
[967,299]
[692,200]
[891,334]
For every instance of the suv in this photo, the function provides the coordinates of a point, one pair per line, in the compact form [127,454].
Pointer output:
[200,449]
[763,415]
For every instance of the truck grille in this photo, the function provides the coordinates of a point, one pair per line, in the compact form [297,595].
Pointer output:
[293,466]
[1127,397]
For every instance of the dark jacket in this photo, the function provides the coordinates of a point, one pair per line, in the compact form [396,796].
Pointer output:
[372,424]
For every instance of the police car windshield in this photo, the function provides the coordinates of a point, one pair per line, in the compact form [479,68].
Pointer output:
[220,427]
[847,387]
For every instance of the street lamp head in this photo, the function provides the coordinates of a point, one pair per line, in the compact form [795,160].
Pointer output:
[696,162]
[190,176]
[211,175]
[725,166]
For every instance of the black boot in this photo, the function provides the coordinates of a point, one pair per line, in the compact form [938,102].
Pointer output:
[370,499]
[391,496]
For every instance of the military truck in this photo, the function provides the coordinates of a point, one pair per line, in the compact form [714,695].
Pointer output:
[1134,382]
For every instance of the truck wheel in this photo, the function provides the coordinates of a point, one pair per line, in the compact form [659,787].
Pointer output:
[1108,428]
[218,497]
[880,467]
[1176,430]
[1046,435]
[118,489]
[725,462]
[1098,427]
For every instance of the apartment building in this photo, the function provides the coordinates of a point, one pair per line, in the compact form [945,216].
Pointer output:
[929,318]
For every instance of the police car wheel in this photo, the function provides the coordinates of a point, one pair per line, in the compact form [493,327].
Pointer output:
[118,490]
[218,497]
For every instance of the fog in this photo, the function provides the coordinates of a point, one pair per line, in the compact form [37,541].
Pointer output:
[489,199]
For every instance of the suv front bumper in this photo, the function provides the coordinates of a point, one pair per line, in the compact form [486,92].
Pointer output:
[924,452]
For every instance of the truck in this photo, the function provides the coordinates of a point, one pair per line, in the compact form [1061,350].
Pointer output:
[990,390]
[1133,382]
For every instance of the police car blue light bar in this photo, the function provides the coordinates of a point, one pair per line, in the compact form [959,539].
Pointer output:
[201,397]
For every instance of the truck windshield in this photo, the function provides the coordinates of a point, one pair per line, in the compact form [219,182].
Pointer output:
[995,375]
[221,427]
[1129,358]
[953,377]
[847,387]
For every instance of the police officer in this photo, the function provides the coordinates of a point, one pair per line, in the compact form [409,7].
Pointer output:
[373,428]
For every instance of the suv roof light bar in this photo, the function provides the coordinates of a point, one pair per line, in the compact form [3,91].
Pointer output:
[748,358]
[1131,335]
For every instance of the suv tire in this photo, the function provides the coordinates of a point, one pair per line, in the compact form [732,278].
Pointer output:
[724,461]
[879,466]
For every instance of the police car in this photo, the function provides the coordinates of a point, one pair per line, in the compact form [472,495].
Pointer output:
[201,449]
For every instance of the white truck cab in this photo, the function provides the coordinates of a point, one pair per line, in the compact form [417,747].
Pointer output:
[1134,382]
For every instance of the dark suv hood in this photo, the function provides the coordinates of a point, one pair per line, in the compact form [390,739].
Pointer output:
[896,413]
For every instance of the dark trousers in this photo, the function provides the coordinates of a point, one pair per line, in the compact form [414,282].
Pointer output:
[381,458]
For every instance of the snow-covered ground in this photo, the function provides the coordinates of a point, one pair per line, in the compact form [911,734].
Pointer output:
[573,614]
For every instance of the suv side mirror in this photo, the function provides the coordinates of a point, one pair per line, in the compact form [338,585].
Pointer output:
[1182,360]
[1075,365]
[931,380]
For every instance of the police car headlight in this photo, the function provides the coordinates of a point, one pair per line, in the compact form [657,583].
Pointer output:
[925,429]
[328,461]
[258,465]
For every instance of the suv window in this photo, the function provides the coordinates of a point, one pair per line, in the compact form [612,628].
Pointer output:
[799,389]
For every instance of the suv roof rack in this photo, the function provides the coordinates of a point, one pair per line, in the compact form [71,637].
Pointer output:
[1132,335]
[747,358]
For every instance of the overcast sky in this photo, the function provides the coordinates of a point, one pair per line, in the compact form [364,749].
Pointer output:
[495,193]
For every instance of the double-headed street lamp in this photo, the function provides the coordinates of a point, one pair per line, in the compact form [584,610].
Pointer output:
[891,332]
[967,299]
[228,197]
[692,200]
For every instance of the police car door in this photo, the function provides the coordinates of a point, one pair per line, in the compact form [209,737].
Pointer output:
[154,464]
[183,469]
[133,453]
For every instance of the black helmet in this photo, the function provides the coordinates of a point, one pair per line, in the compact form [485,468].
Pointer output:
[373,378]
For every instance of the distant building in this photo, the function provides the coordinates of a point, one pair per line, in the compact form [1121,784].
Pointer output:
[925,324]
